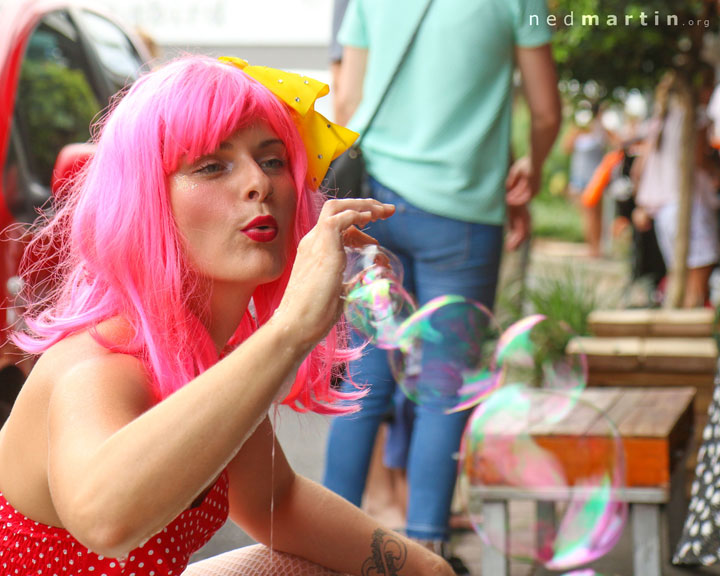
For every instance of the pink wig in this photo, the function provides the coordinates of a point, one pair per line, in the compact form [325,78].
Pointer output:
[118,247]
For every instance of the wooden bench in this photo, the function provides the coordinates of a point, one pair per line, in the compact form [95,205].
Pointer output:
[654,347]
[655,427]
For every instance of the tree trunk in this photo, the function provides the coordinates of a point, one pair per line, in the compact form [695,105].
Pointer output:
[678,274]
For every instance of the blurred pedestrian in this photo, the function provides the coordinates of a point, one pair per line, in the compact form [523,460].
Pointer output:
[385,494]
[586,142]
[439,148]
[657,170]
[335,50]
[713,112]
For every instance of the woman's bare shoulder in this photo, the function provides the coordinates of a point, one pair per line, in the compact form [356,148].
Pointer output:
[82,357]
[76,375]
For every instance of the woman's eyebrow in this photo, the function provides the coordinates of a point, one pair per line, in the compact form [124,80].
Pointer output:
[271,142]
[227,145]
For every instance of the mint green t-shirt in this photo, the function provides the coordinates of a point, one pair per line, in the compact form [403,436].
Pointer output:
[442,136]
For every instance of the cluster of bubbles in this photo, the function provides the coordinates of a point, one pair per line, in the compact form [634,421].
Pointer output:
[451,355]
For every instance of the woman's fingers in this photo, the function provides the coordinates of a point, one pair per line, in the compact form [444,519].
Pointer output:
[377,209]
[356,238]
[344,215]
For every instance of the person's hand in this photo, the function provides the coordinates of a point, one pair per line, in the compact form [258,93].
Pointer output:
[518,229]
[312,303]
[641,219]
[521,183]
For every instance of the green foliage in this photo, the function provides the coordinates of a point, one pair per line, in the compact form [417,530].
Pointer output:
[634,41]
[566,300]
[56,106]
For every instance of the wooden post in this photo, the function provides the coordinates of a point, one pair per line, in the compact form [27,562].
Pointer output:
[494,557]
[687,167]
[646,539]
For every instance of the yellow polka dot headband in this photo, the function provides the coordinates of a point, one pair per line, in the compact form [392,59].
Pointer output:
[324,140]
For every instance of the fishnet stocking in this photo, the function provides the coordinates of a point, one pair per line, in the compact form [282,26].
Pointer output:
[256,561]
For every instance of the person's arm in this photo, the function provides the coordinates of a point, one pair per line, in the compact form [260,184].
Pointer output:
[335,50]
[568,142]
[120,469]
[537,70]
[350,84]
[314,523]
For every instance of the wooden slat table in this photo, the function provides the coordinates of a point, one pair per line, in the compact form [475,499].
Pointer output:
[655,428]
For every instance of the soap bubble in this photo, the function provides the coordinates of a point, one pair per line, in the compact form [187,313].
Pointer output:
[376,304]
[377,309]
[443,354]
[533,352]
[370,262]
[516,448]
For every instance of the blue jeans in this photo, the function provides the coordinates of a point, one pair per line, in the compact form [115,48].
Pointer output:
[440,256]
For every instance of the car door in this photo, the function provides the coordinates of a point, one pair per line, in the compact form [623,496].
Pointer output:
[74,62]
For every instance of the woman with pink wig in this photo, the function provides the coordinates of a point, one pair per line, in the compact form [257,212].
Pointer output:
[190,278]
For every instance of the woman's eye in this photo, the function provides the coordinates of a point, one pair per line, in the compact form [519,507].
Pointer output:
[209,168]
[273,163]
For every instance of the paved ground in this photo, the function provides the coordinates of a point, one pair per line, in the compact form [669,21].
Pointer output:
[303,439]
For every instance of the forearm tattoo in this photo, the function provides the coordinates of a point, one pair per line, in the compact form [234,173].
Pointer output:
[388,555]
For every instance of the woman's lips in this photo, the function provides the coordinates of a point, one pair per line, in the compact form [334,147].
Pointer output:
[261,229]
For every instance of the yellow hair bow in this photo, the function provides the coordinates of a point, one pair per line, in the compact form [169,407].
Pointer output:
[324,140]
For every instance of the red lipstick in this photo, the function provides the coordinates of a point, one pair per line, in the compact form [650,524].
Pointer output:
[261,229]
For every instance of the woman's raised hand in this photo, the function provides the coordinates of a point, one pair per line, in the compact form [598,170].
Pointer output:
[312,303]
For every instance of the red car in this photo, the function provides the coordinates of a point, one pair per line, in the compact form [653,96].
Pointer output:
[60,63]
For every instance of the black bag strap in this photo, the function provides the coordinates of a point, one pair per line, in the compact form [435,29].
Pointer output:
[356,144]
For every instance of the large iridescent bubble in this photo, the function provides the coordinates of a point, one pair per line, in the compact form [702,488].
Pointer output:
[568,464]
[443,354]
[532,351]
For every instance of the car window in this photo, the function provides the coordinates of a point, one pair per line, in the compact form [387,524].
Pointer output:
[117,55]
[55,102]
[14,180]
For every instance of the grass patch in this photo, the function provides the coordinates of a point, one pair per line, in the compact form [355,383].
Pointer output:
[556,218]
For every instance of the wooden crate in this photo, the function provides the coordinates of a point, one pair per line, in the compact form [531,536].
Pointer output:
[662,323]
[644,354]
[654,426]
[654,348]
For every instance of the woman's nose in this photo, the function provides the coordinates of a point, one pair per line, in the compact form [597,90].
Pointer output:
[257,185]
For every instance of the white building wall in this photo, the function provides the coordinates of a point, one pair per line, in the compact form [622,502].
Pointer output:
[288,34]
[225,22]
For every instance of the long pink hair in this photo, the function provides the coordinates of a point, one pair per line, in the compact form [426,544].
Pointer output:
[112,249]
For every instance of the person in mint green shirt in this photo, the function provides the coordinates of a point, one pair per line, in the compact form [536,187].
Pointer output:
[439,149]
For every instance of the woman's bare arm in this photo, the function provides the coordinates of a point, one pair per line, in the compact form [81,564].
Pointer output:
[313,522]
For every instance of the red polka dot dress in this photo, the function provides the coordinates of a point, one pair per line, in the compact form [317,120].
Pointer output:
[29,548]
